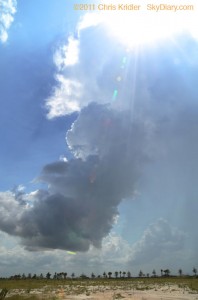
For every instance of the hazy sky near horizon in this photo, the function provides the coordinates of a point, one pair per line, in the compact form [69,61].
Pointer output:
[99,139]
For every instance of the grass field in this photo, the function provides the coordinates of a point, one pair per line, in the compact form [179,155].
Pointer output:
[51,289]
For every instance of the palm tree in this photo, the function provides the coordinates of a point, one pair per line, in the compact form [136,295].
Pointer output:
[140,273]
[162,272]
[93,275]
[109,274]
[180,272]
[116,274]
[195,271]
[65,275]
[48,275]
[129,274]
[83,276]
[154,272]
[124,273]
[104,275]
[167,272]
[120,273]
[72,275]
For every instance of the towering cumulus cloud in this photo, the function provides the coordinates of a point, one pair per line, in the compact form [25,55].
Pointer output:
[80,205]
[7,11]
[136,114]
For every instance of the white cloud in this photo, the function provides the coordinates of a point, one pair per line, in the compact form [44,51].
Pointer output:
[89,20]
[115,254]
[159,239]
[67,55]
[65,97]
[14,259]
[85,71]
[7,11]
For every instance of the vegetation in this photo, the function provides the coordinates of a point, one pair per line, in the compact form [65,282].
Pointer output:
[30,284]
[24,286]
[53,289]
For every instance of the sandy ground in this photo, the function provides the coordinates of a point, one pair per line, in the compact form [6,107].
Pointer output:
[137,292]
[156,294]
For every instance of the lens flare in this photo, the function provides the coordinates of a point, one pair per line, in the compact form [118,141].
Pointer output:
[71,252]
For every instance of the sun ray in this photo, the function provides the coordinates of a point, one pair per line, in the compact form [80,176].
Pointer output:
[143,26]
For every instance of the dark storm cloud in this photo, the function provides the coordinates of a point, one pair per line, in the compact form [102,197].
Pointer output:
[80,205]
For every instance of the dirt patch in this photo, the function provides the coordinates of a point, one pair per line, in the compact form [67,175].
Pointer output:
[136,291]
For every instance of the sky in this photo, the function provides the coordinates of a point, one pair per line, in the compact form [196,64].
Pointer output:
[99,138]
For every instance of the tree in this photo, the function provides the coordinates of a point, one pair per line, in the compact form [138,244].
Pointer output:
[93,275]
[104,275]
[109,274]
[167,272]
[116,274]
[48,275]
[120,273]
[147,274]
[195,271]
[17,276]
[180,272]
[83,276]
[154,273]
[129,274]
[162,272]
[64,275]
[124,273]
[72,275]
[140,273]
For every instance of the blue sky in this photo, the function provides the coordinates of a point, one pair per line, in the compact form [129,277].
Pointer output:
[98,135]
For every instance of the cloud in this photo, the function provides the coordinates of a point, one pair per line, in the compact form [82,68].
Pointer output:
[85,74]
[79,206]
[96,68]
[66,95]
[152,250]
[112,256]
[151,122]
[67,55]
[65,98]
[159,239]
[7,9]
[14,259]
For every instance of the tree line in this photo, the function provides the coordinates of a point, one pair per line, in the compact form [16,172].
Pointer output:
[109,275]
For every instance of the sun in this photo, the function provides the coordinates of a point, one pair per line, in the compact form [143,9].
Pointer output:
[143,25]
